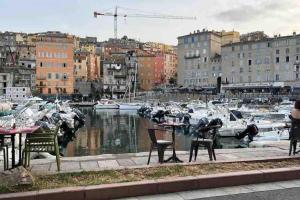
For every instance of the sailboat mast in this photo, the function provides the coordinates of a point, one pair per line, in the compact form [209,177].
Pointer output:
[135,70]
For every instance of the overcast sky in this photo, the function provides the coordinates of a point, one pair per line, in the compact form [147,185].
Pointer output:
[76,17]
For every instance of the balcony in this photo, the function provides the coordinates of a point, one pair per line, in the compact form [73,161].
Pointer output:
[120,76]
[192,56]
[41,78]
[41,85]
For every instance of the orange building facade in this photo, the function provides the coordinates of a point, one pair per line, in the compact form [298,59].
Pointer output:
[146,71]
[54,63]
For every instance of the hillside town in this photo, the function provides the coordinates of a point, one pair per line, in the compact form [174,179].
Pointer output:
[52,63]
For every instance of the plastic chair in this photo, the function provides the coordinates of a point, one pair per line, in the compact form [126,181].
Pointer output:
[42,142]
[206,137]
[294,135]
[160,145]
[4,148]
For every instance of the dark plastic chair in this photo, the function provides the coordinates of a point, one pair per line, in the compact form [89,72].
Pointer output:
[294,135]
[206,137]
[4,148]
[160,145]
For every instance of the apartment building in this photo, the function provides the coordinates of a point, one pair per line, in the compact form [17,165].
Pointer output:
[118,73]
[146,70]
[54,63]
[6,80]
[170,66]
[8,53]
[26,56]
[199,57]
[17,94]
[265,65]
[86,65]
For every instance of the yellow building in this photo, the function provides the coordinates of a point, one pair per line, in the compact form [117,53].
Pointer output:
[229,37]
[86,65]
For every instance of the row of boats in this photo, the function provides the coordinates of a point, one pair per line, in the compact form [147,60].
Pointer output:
[37,112]
[234,115]
[272,120]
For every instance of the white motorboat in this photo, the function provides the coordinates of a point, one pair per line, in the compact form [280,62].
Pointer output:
[106,104]
[129,106]
[285,106]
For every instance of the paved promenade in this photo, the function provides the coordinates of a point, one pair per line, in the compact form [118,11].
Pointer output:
[137,160]
[284,190]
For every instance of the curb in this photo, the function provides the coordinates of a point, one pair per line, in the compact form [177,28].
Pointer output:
[160,186]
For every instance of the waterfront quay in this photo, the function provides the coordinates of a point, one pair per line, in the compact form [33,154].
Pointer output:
[139,160]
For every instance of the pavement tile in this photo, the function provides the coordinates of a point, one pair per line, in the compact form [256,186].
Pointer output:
[263,187]
[108,164]
[289,184]
[230,156]
[89,165]
[162,197]
[44,167]
[202,193]
[140,160]
[66,166]
[125,162]
[236,190]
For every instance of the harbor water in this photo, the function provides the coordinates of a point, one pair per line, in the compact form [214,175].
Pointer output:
[117,131]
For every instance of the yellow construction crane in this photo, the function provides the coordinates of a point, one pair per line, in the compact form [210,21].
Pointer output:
[116,15]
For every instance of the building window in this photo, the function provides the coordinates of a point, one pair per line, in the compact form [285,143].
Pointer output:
[249,62]
[65,77]
[241,70]
[297,57]
[186,40]
[65,64]
[49,90]
[232,48]
[277,77]
[49,75]
[277,59]
[57,75]
[269,44]
[287,59]
[277,51]
[287,50]
[298,49]
[64,90]
[41,64]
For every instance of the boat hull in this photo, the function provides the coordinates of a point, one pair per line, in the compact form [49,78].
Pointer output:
[129,106]
[106,106]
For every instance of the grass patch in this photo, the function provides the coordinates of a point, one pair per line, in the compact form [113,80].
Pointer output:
[129,175]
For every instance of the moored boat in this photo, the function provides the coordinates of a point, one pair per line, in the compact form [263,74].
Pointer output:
[129,106]
[106,104]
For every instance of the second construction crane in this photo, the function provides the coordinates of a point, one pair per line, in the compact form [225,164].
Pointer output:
[116,15]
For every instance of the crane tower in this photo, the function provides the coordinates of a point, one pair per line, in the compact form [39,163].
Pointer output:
[116,15]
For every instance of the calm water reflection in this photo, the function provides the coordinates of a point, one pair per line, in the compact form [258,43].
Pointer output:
[114,131]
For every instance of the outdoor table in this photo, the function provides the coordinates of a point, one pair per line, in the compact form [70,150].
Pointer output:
[12,133]
[174,125]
